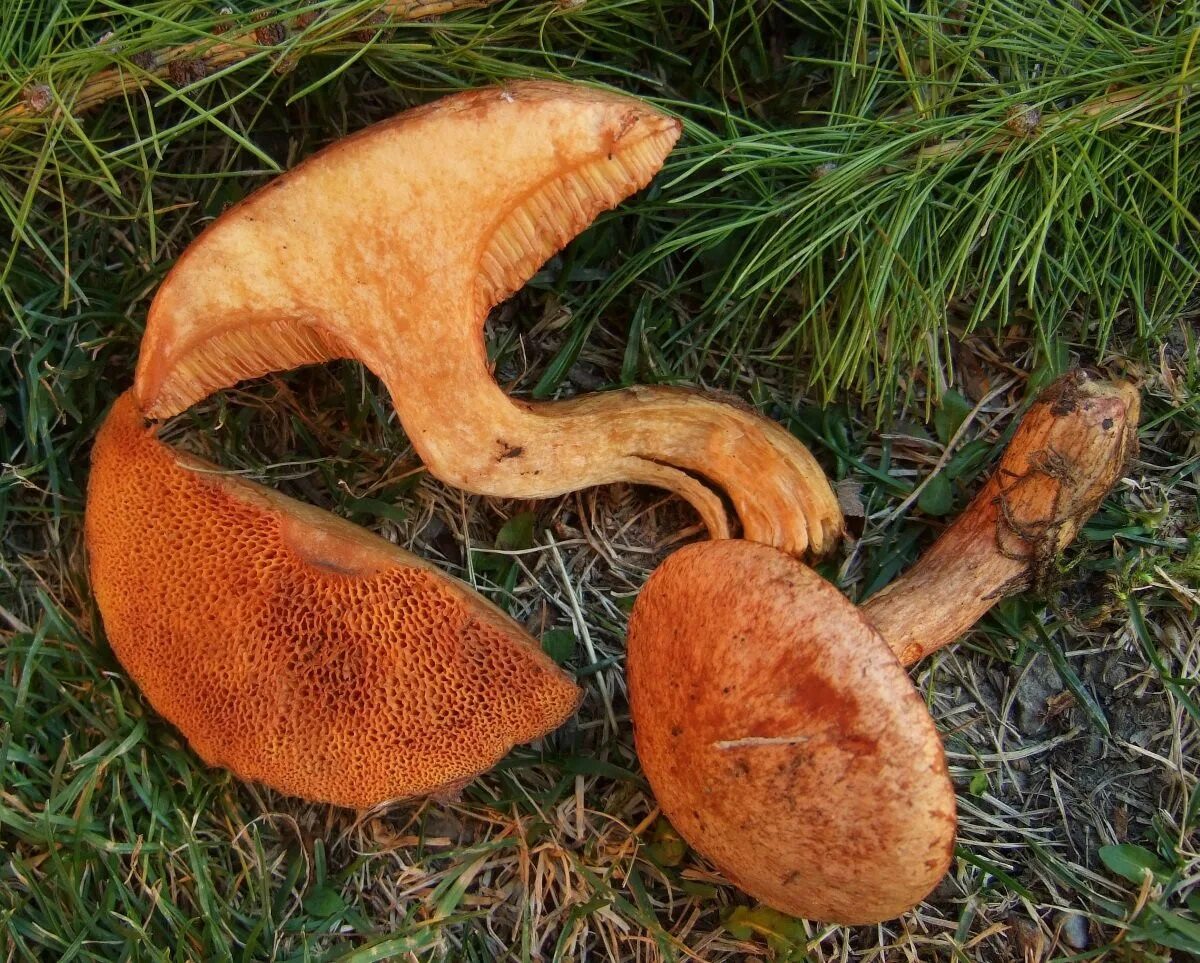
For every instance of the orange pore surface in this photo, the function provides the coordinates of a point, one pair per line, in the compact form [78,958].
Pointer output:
[293,647]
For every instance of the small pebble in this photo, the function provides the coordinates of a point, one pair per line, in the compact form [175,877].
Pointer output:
[1023,119]
[849,496]
[1074,929]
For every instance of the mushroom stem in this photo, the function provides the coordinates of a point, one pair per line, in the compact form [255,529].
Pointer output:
[696,445]
[1067,453]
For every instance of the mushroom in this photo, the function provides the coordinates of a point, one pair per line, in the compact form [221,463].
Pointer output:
[295,648]
[392,245]
[775,721]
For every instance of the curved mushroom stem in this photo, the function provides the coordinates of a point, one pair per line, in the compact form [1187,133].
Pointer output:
[1067,453]
[778,490]
[688,442]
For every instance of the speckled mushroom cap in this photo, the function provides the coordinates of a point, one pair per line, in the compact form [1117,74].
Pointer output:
[294,648]
[391,245]
[782,737]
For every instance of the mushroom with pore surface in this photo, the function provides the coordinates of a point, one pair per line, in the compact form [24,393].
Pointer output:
[295,648]
[774,719]
[392,245]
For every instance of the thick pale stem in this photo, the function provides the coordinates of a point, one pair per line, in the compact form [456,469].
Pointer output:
[698,446]
[777,489]
[1067,453]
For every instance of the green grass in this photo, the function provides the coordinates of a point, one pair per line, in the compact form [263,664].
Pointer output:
[851,236]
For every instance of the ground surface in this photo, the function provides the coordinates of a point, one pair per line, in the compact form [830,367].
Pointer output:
[1069,716]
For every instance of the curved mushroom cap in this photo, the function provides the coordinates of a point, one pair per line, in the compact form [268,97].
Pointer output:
[783,739]
[293,647]
[429,218]
[390,247]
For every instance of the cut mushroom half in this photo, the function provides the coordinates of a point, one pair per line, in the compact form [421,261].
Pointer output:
[392,245]
[774,719]
[297,649]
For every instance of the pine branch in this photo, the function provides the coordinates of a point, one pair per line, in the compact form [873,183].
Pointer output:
[187,63]
[1118,106]
[855,181]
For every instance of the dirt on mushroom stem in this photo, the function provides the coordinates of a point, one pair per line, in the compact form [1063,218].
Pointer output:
[1068,452]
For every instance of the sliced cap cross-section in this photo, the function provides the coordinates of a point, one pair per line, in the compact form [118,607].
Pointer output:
[295,648]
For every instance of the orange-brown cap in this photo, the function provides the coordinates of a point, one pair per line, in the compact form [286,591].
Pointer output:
[297,649]
[783,739]
[398,238]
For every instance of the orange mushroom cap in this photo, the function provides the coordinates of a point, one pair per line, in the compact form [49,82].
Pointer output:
[783,739]
[392,245]
[293,647]
[775,720]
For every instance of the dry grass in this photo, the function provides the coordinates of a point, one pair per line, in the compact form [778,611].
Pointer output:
[561,854]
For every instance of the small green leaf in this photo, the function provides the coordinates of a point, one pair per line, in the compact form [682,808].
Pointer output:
[1067,673]
[937,498]
[598,767]
[781,931]
[631,363]
[968,460]
[287,886]
[1132,861]
[950,416]
[556,371]
[391,947]
[490,563]
[1179,923]
[667,847]
[559,644]
[324,901]
[998,874]
[375,507]
[979,783]
[517,533]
